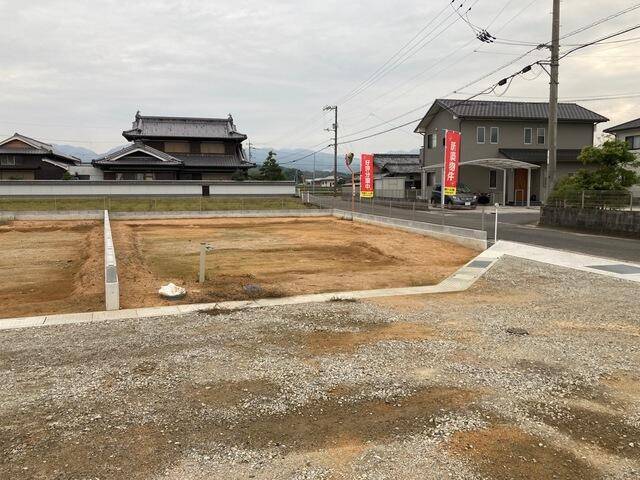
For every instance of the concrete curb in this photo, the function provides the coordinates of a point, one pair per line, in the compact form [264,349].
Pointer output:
[464,278]
[111,283]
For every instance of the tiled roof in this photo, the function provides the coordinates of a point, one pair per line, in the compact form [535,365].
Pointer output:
[204,160]
[518,110]
[398,162]
[630,125]
[38,148]
[117,156]
[183,127]
[539,155]
[493,110]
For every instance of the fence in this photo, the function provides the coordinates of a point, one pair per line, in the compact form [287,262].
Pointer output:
[596,199]
[148,204]
[594,210]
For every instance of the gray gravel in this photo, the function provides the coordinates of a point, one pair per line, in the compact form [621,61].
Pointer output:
[428,387]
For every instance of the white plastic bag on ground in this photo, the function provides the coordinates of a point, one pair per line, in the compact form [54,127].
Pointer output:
[172,291]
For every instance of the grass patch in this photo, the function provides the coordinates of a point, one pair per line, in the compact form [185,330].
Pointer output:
[149,204]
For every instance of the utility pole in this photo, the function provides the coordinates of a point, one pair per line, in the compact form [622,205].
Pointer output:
[335,147]
[313,185]
[553,99]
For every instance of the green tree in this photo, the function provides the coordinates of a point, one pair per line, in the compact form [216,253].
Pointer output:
[239,176]
[270,170]
[613,164]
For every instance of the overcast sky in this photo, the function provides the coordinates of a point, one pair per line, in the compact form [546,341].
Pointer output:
[75,72]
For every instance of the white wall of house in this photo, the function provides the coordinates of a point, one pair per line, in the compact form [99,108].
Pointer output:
[622,136]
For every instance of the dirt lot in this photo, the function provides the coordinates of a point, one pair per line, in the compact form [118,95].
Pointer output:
[427,387]
[50,267]
[283,256]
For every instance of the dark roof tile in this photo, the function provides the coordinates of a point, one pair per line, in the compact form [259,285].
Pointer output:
[183,127]
[630,125]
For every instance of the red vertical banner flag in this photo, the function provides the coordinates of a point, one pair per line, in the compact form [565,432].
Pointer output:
[366,176]
[451,161]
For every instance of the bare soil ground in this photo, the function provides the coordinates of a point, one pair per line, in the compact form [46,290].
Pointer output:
[50,267]
[283,256]
[430,387]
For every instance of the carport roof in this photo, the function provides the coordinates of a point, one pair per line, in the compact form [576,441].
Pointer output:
[496,163]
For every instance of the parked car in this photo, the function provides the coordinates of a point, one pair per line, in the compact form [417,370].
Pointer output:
[464,198]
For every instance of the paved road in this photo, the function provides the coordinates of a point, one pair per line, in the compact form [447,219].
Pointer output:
[519,226]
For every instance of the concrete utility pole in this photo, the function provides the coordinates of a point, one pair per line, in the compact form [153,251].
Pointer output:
[553,99]
[335,147]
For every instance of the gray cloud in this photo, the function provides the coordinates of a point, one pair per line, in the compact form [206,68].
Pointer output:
[76,71]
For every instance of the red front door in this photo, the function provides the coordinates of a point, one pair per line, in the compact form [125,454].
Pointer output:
[520,193]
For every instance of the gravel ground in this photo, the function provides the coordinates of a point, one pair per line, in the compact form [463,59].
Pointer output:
[408,387]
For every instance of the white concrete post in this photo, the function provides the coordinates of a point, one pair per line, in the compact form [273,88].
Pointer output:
[111,284]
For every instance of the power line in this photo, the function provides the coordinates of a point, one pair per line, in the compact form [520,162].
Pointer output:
[599,40]
[602,20]
[394,55]
[409,54]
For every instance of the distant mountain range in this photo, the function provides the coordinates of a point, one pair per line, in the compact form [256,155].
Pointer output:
[82,153]
[296,158]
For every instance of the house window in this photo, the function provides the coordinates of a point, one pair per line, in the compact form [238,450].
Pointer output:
[8,161]
[541,136]
[212,147]
[493,178]
[432,140]
[480,133]
[177,147]
[149,176]
[633,141]
[528,136]
[494,135]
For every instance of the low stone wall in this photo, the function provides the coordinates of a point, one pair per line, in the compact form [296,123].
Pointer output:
[595,220]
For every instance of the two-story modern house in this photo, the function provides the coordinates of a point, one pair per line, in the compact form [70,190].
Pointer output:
[504,145]
[24,158]
[177,148]
[630,133]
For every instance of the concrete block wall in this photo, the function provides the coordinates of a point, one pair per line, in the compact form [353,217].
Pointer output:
[111,284]
[596,220]
[476,239]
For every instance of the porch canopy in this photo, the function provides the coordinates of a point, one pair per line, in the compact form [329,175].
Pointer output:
[503,164]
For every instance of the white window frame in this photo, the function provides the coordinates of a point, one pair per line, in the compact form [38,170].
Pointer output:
[524,139]
[484,135]
[544,135]
[9,161]
[497,130]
